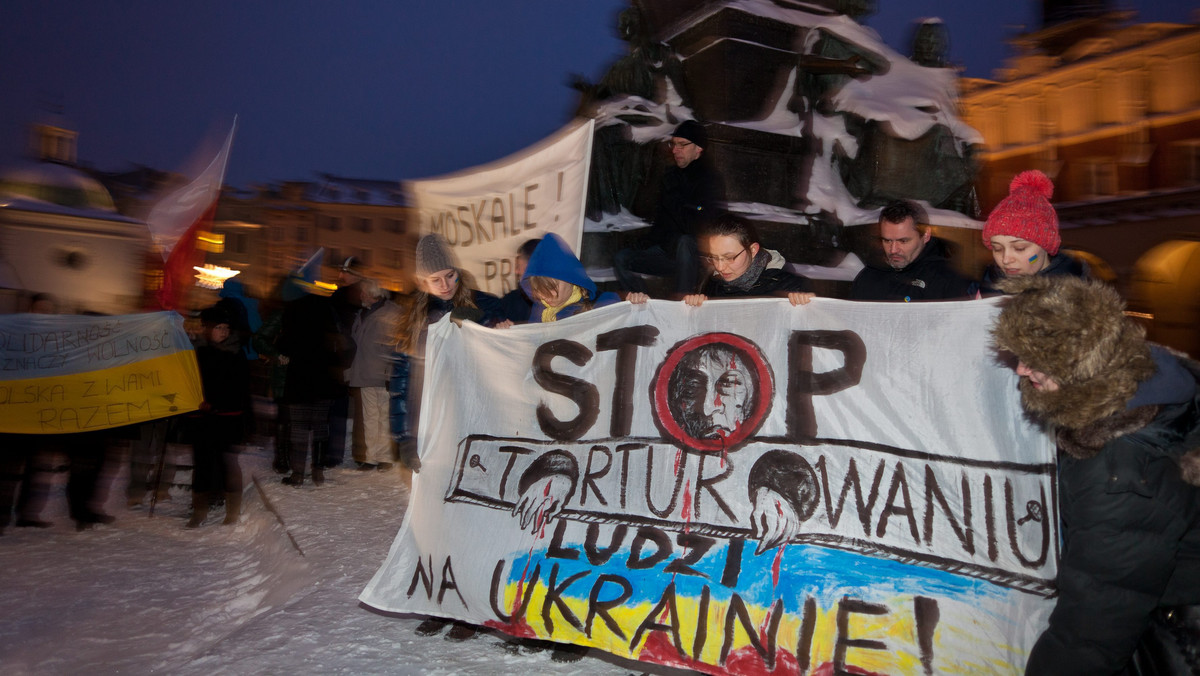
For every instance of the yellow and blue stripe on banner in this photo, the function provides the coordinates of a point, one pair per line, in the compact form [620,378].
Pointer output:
[71,373]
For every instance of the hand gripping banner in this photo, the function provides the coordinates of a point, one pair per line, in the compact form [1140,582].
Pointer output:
[745,487]
[73,373]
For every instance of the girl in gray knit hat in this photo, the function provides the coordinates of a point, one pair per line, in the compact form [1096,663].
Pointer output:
[441,290]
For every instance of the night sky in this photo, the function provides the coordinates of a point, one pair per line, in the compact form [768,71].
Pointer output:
[380,89]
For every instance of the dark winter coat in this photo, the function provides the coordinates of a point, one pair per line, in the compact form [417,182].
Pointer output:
[1130,510]
[408,370]
[516,305]
[489,310]
[265,343]
[243,310]
[1060,264]
[690,197]
[308,337]
[225,377]
[554,260]
[774,280]
[347,304]
[929,277]
[1126,416]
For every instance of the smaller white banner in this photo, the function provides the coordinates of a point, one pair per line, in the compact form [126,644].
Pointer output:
[487,212]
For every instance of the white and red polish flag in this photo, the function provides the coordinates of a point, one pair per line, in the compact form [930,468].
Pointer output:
[176,220]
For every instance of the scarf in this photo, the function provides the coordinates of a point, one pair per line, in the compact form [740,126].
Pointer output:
[550,313]
[750,277]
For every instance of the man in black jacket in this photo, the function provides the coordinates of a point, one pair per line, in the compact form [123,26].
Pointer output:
[915,264]
[1126,416]
[692,194]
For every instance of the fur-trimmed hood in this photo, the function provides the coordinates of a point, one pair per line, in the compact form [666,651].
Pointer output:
[1076,332]
[1111,383]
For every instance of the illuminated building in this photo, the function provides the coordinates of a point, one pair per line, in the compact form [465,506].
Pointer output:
[60,233]
[1110,110]
[367,219]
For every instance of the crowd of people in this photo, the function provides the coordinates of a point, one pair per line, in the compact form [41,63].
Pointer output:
[344,373]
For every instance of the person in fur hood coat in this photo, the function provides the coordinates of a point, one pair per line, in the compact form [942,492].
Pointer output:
[1126,417]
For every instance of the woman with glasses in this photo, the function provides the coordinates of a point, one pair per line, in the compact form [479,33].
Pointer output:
[740,267]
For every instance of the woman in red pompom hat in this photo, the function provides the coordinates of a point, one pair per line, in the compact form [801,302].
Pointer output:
[1022,232]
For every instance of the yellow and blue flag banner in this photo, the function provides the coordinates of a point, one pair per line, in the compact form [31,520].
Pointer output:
[71,373]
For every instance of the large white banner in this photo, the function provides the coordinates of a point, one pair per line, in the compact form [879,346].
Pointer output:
[737,488]
[486,213]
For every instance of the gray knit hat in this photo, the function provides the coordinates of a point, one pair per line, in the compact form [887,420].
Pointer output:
[433,255]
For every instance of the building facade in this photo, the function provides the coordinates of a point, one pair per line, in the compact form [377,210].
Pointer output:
[1102,107]
[61,233]
[275,228]
[1110,110]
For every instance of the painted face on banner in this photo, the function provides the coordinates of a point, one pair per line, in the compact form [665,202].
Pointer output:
[712,392]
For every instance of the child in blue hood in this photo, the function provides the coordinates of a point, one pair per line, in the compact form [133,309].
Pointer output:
[558,284]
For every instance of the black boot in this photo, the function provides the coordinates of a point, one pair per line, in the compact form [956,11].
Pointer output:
[431,626]
[318,462]
[406,451]
[233,507]
[461,631]
[566,652]
[199,509]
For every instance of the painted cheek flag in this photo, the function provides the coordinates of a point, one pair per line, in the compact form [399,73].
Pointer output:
[61,374]
[176,220]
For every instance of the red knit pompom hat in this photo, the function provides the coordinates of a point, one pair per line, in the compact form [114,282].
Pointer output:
[1026,213]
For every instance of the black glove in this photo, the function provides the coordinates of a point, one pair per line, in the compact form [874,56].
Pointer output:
[406,450]
[466,314]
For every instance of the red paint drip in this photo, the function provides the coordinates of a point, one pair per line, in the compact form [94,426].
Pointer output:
[521,628]
[775,566]
[746,660]
[521,583]
[686,512]
[658,649]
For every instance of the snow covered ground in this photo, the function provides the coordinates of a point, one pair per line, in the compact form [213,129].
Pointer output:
[277,593]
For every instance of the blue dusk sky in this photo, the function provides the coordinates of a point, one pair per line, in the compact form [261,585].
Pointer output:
[370,89]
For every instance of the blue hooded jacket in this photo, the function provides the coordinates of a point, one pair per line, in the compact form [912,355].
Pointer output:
[553,258]
[248,317]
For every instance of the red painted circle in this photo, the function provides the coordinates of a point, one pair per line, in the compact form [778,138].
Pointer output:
[763,387]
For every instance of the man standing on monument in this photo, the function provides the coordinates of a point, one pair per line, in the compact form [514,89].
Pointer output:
[692,194]
[915,264]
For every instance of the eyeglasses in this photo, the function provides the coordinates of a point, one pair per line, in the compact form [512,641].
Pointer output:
[679,144]
[727,260]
